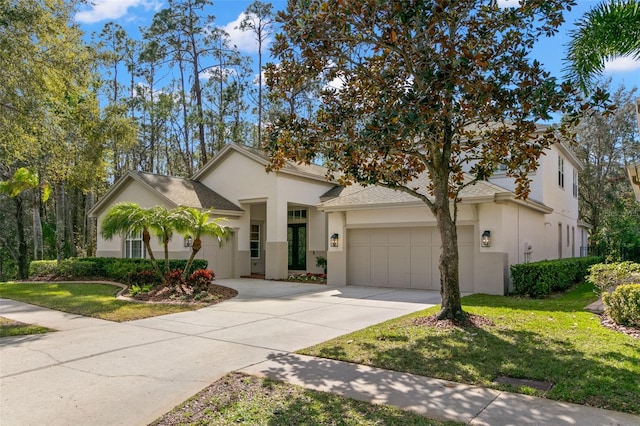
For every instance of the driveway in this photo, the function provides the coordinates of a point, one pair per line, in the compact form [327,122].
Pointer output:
[103,373]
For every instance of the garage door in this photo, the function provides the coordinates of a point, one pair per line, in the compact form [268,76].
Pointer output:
[404,257]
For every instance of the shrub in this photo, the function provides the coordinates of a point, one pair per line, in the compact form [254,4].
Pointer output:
[200,280]
[43,268]
[623,304]
[143,278]
[72,268]
[174,278]
[607,276]
[539,279]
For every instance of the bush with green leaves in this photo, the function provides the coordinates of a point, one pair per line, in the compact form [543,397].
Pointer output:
[623,304]
[43,268]
[539,279]
[607,276]
[111,268]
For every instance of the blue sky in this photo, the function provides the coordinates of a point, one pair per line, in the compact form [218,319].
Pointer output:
[132,14]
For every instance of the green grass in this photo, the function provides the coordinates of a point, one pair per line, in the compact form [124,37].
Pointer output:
[553,340]
[91,300]
[10,328]
[248,400]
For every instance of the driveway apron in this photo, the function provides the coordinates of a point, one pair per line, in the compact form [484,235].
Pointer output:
[104,373]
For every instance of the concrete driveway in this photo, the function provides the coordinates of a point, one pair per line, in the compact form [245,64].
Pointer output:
[95,372]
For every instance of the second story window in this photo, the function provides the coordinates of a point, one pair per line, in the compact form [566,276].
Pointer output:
[575,183]
[560,171]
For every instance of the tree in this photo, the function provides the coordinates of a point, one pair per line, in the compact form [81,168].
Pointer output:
[611,29]
[418,87]
[196,224]
[606,143]
[259,19]
[24,180]
[162,224]
[124,218]
[182,28]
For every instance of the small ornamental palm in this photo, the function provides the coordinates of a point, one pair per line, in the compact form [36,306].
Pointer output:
[192,222]
[162,224]
[130,218]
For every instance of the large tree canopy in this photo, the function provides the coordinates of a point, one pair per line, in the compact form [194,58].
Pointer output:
[416,86]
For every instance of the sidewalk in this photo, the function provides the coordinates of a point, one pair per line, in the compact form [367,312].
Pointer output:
[90,369]
[434,398]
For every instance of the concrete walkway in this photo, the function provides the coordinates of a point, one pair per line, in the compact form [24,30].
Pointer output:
[94,372]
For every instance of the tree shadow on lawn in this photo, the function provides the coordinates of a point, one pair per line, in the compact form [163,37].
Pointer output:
[597,377]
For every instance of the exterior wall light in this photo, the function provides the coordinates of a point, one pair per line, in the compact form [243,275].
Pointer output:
[334,240]
[188,241]
[485,240]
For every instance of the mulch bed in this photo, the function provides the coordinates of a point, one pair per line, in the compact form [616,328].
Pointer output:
[472,321]
[217,294]
[606,321]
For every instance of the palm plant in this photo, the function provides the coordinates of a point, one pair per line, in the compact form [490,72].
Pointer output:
[611,29]
[192,222]
[130,218]
[162,224]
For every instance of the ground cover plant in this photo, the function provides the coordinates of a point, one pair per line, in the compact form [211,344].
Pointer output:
[9,327]
[241,399]
[91,300]
[552,340]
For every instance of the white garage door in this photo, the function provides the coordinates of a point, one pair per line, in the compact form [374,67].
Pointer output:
[404,257]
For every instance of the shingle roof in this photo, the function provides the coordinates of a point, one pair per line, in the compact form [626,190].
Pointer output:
[357,195]
[187,192]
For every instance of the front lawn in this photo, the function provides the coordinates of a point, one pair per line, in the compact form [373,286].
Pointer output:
[551,340]
[91,300]
[240,399]
[9,327]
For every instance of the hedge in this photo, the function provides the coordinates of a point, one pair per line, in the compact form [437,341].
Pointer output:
[539,279]
[111,268]
[623,304]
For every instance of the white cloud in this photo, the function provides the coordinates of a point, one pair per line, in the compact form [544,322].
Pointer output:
[102,10]
[508,3]
[245,41]
[622,64]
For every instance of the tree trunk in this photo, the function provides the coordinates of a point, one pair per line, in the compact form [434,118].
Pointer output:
[23,259]
[38,243]
[60,222]
[90,225]
[195,248]
[451,307]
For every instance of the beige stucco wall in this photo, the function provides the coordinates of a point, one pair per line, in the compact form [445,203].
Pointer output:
[220,259]
[267,197]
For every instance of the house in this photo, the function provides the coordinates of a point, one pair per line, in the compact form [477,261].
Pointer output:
[371,235]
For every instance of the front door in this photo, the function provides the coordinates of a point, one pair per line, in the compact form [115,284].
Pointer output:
[297,239]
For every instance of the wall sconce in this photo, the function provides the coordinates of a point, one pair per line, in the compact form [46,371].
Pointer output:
[334,240]
[188,241]
[485,240]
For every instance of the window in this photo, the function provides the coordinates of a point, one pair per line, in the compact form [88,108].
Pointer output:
[133,246]
[297,214]
[567,235]
[575,183]
[560,171]
[254,241]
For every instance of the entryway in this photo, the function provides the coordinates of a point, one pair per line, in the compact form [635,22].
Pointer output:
[297,240]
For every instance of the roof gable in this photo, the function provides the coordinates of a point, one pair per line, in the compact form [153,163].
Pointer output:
[309,171]
[175,191]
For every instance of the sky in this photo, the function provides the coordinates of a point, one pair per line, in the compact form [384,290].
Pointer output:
[133,14]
